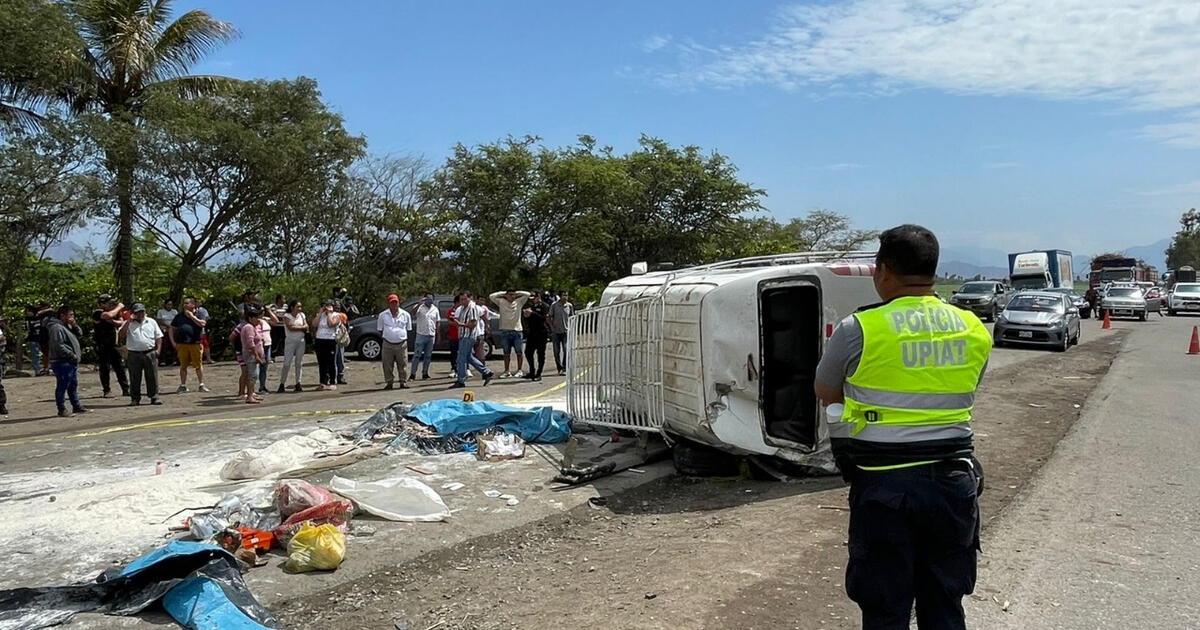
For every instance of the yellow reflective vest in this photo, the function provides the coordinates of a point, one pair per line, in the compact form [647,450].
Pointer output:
[921,362]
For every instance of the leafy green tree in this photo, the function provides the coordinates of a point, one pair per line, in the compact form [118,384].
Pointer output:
[48,184]
[37,42]
[1185,248]
[225,172]
[130,49]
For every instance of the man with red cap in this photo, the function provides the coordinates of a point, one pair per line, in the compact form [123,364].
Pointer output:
[393,325]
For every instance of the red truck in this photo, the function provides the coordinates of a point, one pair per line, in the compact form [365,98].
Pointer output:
[1105,270]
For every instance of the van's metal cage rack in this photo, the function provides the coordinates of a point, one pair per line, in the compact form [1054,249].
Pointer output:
[615,352]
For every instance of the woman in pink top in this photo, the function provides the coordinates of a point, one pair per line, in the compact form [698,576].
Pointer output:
[253,354]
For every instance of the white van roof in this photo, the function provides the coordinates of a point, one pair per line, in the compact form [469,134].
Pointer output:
[856,263]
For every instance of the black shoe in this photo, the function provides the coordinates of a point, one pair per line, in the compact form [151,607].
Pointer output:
[63,413]
[412,377]
[3,411]
[342,381]
[403,385]
[424,377]
[281,389]
[155,401]
[81,410]
[297,388]
[487,378]
[106,394]
[388,386]
[135,402]
[457,385]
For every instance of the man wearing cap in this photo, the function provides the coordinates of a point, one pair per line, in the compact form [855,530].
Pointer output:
[393,325]
[143,339]
[105,321]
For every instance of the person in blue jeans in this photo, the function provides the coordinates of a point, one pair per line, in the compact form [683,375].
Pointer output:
[469,319]
[64,351]
[425,324]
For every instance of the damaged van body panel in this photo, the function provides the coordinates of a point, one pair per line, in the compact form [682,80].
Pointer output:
[739,345]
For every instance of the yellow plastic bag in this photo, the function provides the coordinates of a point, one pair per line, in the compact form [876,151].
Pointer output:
[319,548]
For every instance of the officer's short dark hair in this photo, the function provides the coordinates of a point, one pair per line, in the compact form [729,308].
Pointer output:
[909,250]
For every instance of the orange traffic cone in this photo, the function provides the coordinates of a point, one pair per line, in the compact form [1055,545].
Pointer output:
[1194,348]
[1107,320]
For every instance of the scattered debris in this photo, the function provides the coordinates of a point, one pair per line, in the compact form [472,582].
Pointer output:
[455,485]
[316,548]
[396,499]
[497,446]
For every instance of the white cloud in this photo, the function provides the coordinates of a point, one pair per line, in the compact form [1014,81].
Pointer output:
[1140,53]
[655,43]
[843,166]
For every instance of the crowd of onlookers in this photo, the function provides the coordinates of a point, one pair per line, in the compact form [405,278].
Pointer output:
[130,346]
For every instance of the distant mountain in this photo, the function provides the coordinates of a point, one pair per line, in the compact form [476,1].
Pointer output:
[1153,253]
[993,263]
[967,270]
[67,251]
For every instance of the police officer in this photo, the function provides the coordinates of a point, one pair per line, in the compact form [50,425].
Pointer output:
[905,371]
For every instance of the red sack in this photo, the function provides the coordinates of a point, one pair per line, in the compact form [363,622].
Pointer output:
[336,513]
[297,495]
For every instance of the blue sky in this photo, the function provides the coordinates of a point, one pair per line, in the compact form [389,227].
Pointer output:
[998,123]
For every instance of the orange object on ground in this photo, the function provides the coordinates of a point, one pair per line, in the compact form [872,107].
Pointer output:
[256,539]
[1194,348]
[1107,320]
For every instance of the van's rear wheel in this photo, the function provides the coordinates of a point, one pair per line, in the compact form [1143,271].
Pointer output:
[697,460]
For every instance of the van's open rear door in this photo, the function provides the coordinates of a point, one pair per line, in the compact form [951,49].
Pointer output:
[615,365]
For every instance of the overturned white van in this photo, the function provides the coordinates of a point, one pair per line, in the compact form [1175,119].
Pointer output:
[722,355]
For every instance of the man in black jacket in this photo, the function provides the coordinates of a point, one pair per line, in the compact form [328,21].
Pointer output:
[64,351]
[106,320]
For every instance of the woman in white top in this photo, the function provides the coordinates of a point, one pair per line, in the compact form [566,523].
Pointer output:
[295,326]
[324,326]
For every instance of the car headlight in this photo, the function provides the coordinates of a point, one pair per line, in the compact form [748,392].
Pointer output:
[1058,323]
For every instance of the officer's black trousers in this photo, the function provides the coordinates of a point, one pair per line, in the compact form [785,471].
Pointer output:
[914,535]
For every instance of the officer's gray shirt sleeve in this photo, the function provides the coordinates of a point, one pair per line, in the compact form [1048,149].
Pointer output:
[842,353]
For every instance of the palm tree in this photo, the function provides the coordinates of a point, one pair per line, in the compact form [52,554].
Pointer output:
[129,49]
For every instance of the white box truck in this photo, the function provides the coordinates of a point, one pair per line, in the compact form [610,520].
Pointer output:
[720,355]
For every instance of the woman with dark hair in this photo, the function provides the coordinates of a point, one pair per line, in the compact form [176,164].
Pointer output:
[278,328]
[324,326]
[537,335]
[296,326]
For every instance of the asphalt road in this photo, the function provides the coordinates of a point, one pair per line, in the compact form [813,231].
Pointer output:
[1106,536]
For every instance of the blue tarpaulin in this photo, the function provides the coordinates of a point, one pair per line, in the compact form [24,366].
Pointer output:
[199,584]
[454,417]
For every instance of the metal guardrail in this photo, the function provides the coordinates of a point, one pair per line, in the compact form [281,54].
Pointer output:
[615,365]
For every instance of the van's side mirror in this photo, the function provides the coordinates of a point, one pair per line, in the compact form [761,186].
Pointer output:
[954,292]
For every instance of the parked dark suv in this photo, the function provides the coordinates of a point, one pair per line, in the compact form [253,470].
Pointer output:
[985,298]
[365,339]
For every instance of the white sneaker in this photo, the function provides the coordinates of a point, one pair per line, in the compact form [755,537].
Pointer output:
[182,389]
[505,375]
[519,374]
[204,388]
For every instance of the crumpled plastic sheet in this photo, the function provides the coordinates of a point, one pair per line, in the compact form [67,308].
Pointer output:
[396,499]
[449,426]
[383,419]
[223,596]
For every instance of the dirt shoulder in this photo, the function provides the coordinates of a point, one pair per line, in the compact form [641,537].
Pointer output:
[703,554]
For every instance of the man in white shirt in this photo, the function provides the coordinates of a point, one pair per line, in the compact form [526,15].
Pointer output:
[509,305]
[393,325]
[143,339]
[426,322]
[469,319]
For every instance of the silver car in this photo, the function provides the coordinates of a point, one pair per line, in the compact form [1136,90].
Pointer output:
[1038,318]
[985,298]
[1123,301]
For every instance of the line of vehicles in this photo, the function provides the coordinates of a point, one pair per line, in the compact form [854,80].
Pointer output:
[1038,304]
